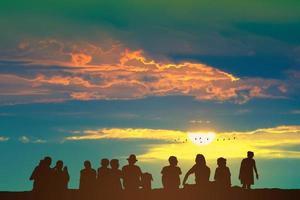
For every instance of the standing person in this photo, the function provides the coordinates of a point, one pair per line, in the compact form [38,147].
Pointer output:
[246,171]
[103,174]
[201,171]
[61,179]
[87,179]
[131,174]
[36,176]
[222,174]
[171,174]
[115,176]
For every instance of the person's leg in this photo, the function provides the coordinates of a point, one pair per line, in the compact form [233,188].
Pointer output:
[244,186]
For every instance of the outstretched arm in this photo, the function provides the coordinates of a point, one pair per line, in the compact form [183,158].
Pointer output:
[187,175]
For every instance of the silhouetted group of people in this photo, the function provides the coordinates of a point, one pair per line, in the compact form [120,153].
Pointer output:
[50,181]
[109,179]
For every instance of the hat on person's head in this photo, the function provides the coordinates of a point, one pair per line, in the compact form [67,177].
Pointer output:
[132,157]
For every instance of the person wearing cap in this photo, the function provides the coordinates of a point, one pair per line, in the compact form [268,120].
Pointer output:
[222,174]
[131,174]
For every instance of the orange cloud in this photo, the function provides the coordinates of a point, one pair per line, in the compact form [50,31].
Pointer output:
[86,71]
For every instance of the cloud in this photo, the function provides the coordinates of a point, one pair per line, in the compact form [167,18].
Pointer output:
[60,71]
[265,142]
[3,139]
[295,112]
[25,140]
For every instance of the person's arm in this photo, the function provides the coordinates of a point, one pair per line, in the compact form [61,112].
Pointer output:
[255,169]
[187,175]
[241,169]
[216,171]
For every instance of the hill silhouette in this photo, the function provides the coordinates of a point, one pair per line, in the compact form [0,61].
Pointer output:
[235,193]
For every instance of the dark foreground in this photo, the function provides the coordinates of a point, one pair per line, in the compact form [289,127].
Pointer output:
[183,194]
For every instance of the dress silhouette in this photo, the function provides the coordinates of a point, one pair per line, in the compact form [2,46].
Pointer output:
[115,176]
[201,171]
[103,175]
[246,171]
[131,174]
[171,174]
[87,178]
[222,174]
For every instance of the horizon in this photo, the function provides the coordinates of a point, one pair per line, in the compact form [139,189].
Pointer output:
[86,80]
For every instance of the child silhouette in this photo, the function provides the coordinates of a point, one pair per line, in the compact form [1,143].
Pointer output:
[222,174]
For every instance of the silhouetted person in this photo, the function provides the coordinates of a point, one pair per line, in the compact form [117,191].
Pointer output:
[87,179]
[36,176]
[43,178]
[61,179]
[201,171]
[103,174]
[61,176]
[146,180]
[131,174]
[246,171]
[222,174]
[115,176]
[171,174]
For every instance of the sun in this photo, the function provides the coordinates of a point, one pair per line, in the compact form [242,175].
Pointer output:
[201,138]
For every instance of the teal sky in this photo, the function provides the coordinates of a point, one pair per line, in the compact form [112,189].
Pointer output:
[91,79]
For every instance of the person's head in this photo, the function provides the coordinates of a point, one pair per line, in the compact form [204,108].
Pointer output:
[173,161]
[114,163]
[47,161]
[200,159]
[59,165]
[250,154]
[104,162]
[221,162]
[132,159]
[87,164]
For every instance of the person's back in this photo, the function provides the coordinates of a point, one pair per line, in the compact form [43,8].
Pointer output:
[115,176]
[202,174]
[222,174]
[146,180]
[171,174]
[103,174]
[201,171]
[131,174]
[87,178]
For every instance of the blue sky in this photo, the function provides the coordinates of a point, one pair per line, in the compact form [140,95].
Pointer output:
[92,79]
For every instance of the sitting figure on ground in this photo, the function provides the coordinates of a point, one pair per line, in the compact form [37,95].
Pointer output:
[131,174]
[222,174]
[201,171]
[146,180]
[246,171]
[171,174]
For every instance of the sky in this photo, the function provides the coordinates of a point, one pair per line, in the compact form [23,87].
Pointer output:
[86,80]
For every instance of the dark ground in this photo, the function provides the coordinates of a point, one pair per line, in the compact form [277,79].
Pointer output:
[183,194]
